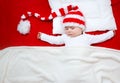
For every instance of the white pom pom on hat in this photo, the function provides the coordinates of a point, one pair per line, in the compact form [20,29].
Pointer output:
[24,27]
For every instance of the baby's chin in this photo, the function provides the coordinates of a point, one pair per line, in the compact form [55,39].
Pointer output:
[71,35]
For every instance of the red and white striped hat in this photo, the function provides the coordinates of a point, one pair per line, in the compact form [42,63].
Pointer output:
[72,17]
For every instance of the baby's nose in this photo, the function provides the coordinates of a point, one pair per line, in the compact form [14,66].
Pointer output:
[69,31]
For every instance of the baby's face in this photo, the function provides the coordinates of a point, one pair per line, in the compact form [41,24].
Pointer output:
[73,31]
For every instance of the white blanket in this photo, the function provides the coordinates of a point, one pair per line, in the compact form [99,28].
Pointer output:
[59,65]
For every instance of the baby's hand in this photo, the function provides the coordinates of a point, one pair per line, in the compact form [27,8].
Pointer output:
[39,35]
[114,32]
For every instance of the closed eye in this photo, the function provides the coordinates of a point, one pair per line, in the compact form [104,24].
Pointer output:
[72,28]
[66,28]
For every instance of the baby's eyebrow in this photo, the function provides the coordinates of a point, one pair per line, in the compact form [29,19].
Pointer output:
[67,27]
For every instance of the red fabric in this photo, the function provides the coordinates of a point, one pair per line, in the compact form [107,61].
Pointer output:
[11,10]
[74,20]
[62,11]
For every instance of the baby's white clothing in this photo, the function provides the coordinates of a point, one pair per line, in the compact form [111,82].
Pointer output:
[84,39]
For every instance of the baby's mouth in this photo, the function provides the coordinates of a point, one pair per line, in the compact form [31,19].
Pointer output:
[70,35]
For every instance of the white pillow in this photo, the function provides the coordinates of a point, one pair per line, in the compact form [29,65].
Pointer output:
[98,14]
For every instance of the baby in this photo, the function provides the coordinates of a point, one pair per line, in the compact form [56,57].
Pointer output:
[74,26]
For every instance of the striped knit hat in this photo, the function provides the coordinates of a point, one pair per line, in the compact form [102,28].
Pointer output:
[74,18]
[68,11]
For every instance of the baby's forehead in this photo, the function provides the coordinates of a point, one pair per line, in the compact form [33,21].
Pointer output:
[71,26]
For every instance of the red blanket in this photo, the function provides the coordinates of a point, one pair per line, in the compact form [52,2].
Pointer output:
[10,17]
